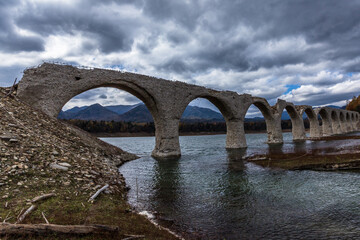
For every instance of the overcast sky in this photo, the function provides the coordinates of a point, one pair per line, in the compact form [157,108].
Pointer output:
[306,52]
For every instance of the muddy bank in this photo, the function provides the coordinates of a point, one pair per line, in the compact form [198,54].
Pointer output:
[308,162]
[338,153]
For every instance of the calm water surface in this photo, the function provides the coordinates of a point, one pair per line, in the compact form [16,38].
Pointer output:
[213,194]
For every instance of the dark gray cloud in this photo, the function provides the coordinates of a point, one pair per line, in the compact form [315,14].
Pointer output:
[10,39]
[252,46]
[12,42]
[53,19]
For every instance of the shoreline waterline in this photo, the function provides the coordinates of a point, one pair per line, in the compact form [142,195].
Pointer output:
[114,135]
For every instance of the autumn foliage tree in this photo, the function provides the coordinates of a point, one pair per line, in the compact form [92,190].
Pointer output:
[354,104]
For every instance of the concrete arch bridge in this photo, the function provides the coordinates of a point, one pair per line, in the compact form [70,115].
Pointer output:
[50,86]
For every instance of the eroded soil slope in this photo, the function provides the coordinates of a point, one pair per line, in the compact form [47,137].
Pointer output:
[43,155]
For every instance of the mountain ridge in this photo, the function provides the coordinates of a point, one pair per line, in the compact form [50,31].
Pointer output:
[140,113]
[134,113]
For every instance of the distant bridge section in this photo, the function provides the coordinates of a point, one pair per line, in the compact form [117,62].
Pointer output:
[50,86]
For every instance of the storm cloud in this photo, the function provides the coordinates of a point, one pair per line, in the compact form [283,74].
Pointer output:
[256,47]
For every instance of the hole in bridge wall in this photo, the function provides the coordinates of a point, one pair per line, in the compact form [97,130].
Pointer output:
[109,112]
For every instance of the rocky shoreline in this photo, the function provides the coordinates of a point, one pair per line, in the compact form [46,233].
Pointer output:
[41,155]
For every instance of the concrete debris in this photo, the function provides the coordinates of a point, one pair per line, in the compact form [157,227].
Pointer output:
[57,166]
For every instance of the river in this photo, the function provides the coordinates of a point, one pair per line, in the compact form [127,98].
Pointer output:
[210,193]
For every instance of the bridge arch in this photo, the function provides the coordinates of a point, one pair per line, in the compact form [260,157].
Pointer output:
[228,107]
[224,109]
[298,129]
[49,87]
[273,135]
[141,94]
[315,131]
[134,90]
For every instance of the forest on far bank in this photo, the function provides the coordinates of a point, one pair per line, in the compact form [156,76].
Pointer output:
[354,104]
[184,127]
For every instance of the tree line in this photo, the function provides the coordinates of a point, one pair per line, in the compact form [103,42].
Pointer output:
[184,127]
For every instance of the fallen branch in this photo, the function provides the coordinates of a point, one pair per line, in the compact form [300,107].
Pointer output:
[26,229]
[7,217]
[92,198]
[129,237]
[27,212]
[12,88]
[47,222]
[42,197]
[20,213]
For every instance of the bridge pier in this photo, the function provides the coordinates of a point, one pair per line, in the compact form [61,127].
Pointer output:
[298,129]
[353,124]
[336,127]
[356,125]
[235,134]
[343,126]
[315,130]
[326,127]
[274,131]
[167,143]
[350,126]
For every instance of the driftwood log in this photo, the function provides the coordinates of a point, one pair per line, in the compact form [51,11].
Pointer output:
[27,212]
[40,229]
[42,197]
[92,198]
